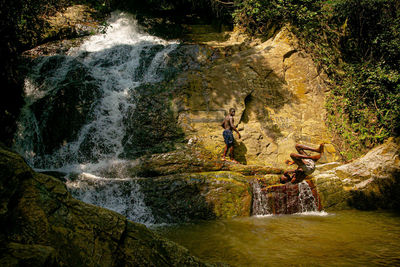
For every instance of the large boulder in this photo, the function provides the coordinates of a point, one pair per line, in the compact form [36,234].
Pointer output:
[151,125]
[370,182]
[41,224]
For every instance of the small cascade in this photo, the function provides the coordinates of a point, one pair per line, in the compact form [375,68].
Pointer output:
[284,198]
[260,200]
[307,201]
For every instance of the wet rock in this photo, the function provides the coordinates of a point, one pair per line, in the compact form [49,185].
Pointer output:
[191,196]
[43,225]
[151,125]
[67,103]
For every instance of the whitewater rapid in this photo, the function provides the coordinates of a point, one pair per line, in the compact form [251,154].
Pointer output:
[115,61]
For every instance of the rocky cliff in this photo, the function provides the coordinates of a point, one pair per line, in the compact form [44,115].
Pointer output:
[276,89]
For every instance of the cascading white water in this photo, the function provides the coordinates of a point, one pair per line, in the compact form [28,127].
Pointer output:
[260,201]
[307,200]
[288,199]
[114,60]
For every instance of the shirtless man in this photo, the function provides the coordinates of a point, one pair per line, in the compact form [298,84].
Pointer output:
[228,125]
[305,163]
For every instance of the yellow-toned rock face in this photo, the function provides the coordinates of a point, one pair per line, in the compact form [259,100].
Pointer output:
[278,95]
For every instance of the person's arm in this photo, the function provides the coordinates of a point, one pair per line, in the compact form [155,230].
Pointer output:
[233,126]
[298,175]
[288,173]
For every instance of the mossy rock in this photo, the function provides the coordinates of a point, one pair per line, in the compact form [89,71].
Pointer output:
[43,225]
[192,196]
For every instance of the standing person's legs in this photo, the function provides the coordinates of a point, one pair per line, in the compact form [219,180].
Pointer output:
[225,150]
[228,139]
[232,155]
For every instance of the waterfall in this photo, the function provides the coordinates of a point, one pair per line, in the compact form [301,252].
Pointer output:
[284,199]
[307,201]
[122,195]
[260,201]
[76,104]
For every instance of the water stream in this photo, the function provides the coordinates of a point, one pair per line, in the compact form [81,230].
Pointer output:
[104,72]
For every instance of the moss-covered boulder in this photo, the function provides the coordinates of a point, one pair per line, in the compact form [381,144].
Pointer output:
[42,225]
[191,196]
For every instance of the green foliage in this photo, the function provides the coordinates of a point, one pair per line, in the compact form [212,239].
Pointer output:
[357,43]
[179,9]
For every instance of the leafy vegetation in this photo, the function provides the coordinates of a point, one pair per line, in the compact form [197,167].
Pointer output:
[357,43]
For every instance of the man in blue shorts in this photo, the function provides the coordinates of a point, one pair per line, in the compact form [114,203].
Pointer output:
[228,125]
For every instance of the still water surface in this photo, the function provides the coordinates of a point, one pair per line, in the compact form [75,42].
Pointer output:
[345,238]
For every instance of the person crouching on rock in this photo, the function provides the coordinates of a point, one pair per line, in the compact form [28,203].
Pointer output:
[305,163]
[228,125]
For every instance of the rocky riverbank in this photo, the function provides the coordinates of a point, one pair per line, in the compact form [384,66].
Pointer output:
[43,225]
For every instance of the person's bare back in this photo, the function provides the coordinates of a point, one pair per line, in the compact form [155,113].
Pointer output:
[228,125]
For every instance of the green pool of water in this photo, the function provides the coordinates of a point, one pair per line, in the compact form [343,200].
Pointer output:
[345,238]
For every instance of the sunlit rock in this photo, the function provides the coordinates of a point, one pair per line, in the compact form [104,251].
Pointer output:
[278,94]
[190,160]
[369,182]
